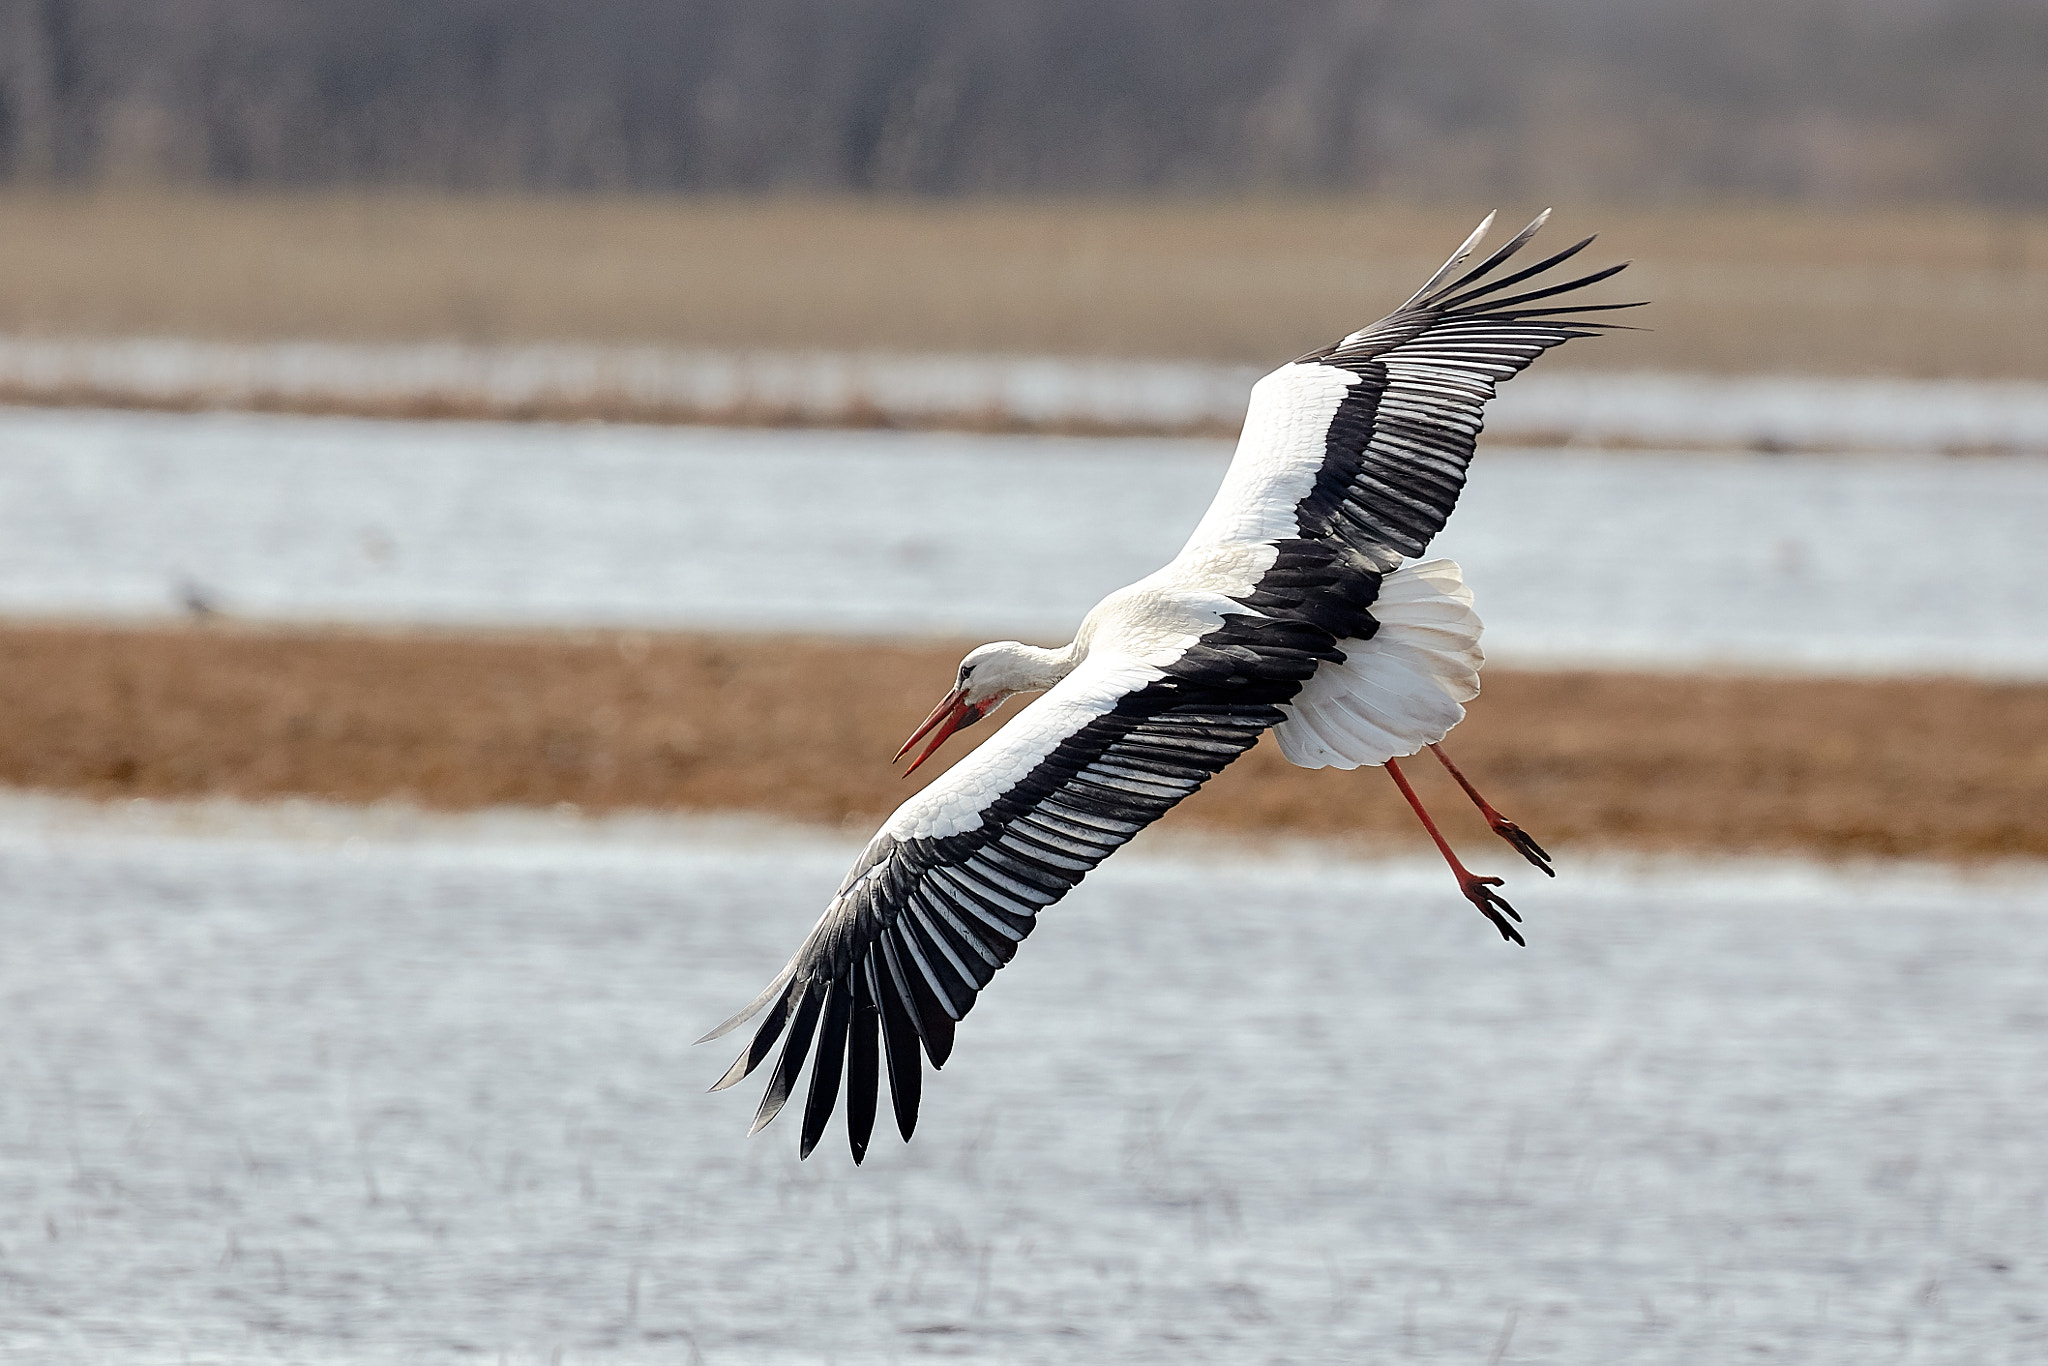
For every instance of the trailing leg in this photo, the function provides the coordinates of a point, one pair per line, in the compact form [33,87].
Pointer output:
[1502,826]
[1478,890]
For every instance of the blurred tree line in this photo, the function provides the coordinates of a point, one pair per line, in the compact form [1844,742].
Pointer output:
[1633,99]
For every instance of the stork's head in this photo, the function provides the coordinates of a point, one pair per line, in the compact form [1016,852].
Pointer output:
[988,677]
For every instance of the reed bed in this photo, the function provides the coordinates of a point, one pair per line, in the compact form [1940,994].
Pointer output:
[1738,289]
[803,728]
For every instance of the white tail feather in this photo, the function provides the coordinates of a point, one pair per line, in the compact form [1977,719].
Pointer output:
[1404,688]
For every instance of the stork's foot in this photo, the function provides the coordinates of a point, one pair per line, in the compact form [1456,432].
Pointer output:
[1479,891]
[1524,843]
[1502,826]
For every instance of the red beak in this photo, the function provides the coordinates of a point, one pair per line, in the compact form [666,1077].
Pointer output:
[953,712]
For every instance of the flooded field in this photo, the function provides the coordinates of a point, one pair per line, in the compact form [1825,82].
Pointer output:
[307,1085]
[1878,564]
[986,392]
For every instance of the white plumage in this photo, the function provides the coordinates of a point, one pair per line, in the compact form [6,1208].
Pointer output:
[1403,688]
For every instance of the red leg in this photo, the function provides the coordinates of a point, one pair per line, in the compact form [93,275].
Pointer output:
[1478,890]
[1502,826]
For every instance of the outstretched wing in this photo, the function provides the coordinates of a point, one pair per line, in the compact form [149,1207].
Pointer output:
[955,880]
[1366,441]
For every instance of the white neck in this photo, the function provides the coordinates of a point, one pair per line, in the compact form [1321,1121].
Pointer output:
[1046,667]
[1009,667]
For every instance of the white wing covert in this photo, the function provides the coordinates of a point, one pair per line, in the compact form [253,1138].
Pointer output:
[1366,441]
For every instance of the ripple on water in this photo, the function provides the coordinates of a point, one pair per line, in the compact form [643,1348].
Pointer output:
[416,1090]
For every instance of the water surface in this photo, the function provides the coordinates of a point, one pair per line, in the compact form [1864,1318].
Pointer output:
[1877,564]
[366,1088]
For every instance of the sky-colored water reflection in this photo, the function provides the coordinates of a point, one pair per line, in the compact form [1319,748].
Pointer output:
[372,1088]
[1917,564]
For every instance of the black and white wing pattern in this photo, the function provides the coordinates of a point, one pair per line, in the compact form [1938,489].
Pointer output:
[1365,442]
[1351,460]
[955,880]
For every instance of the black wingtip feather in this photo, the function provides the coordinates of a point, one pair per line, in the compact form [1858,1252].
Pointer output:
[1458,257]
[792,1060]
[863,1068]
[1446,300]
[758,1047]
[1493,305]
[1513,245]
[825,1070]
[1518,314]
[900,1039]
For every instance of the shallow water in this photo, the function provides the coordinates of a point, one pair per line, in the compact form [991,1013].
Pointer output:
[1879,564]
[1764,411]
[316,1086]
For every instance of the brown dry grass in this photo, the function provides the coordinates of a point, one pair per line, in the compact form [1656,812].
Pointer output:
[1939,768]
[1933,292]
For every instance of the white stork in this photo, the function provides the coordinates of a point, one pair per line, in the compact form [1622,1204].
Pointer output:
[1289,609]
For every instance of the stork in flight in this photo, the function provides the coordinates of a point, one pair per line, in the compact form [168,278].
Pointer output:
[1290,609]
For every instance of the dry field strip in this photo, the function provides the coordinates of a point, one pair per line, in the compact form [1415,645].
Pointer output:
[1740,290]
[803,728]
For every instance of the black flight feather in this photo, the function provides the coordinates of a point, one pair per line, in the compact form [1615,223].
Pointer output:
[783,1080]
[825,1070]
[863,1068]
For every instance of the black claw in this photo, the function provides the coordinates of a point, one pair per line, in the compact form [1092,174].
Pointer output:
[1495,908]
[1524,844]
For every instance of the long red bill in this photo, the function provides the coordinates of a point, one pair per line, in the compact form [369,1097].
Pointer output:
[951,713]
[946,704]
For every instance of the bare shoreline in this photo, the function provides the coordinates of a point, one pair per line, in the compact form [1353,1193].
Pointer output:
[607,720]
